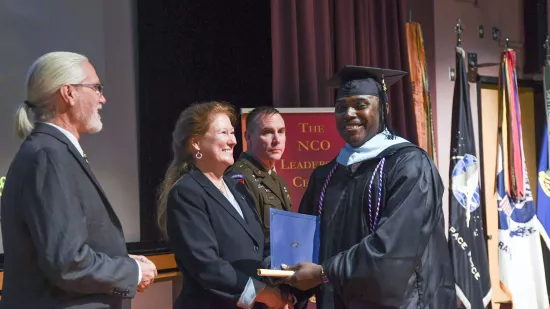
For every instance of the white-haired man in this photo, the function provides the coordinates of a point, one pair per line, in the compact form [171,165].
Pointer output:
[63,243]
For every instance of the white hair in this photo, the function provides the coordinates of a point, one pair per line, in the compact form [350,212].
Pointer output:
[45,77]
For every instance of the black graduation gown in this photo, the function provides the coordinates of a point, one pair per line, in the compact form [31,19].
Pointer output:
[405,263]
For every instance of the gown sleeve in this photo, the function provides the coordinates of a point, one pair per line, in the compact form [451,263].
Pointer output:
[378,269]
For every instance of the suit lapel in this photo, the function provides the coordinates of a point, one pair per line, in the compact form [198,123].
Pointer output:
[86,166]
[221,199]
[270,184]
[285,194]
[47,129]
[277,190]
[249,213]
[265,178]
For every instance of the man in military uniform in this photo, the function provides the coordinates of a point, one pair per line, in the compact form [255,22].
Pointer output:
[255,168]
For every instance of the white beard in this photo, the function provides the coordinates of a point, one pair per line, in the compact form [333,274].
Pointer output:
[92,123]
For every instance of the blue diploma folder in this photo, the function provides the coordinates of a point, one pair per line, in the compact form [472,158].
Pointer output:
[294,238]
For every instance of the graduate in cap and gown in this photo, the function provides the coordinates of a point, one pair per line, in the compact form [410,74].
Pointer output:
[383,241]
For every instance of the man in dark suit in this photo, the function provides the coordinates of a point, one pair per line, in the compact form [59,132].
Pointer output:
[63,243]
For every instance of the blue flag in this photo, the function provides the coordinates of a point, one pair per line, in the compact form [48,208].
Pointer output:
[543,186]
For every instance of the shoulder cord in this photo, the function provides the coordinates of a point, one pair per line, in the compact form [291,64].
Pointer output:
[372,222]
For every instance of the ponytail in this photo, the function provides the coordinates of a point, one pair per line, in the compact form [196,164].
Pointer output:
[23,124]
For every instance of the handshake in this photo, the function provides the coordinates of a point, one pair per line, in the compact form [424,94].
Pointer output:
[148,272]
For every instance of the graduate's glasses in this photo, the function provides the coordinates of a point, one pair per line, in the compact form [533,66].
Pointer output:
[97,87]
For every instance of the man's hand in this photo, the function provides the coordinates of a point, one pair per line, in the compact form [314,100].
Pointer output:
[306,275]
[148,271]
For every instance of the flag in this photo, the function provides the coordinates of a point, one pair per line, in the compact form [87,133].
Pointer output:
[466,234]
[543,190]
[543,179]
[421,89]
[543,185]
[521,265]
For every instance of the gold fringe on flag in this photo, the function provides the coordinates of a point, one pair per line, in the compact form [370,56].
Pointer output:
[421,90]
[510,127]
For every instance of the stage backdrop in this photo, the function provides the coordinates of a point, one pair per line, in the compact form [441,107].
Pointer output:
[311,140]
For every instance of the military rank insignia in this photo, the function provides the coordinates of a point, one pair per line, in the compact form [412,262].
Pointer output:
[286,192]
[239,177]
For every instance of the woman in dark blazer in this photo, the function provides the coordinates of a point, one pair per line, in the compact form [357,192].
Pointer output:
[209,219]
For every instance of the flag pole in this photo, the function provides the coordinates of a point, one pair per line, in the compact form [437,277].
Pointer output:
[458,30]
[547,49]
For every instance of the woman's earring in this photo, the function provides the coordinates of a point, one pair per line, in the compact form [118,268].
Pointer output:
[198,155]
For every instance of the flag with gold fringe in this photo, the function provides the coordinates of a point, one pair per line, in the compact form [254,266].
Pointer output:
[421,89]
[521,265]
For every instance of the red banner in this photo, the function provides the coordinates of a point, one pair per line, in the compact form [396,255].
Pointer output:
[311,140]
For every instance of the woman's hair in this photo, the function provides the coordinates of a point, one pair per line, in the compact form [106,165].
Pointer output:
[193,121]
[46,75]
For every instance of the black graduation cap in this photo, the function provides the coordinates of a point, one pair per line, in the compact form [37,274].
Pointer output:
[358,80]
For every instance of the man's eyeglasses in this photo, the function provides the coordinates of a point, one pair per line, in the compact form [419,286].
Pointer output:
[97,87]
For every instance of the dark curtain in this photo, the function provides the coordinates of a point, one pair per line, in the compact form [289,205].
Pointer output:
[192,51]
[313,39]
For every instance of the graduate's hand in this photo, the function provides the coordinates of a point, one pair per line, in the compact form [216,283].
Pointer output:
[306,275]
